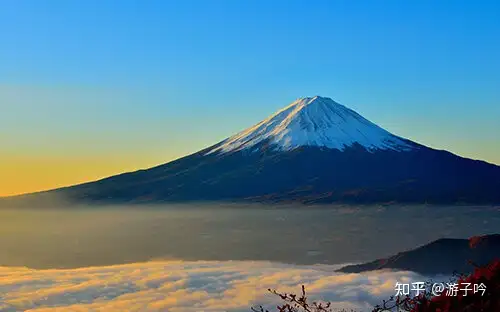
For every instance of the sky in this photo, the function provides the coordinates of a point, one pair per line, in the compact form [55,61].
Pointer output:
[93,88]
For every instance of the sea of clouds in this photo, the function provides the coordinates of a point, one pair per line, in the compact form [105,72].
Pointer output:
[189,286]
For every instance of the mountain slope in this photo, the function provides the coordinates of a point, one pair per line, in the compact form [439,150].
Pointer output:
[443,256]
[313,151]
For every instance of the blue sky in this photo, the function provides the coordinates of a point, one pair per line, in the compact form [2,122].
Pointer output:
[149,81]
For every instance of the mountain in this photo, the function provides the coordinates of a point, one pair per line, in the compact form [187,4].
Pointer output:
[312,151]
[318,122]
[443,256]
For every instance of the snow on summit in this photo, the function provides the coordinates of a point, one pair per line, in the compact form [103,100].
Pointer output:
[314,121]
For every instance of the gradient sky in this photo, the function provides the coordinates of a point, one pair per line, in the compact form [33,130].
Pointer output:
[93,88]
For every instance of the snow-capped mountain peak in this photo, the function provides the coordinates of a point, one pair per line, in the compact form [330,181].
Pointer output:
[314,121]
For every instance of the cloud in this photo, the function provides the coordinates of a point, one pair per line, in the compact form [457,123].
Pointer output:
[188,286]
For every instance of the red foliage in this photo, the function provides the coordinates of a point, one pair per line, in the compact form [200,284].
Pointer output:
[468,301]
[458,301]
[474,241]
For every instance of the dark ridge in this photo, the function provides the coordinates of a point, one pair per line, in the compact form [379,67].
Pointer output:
[443,256]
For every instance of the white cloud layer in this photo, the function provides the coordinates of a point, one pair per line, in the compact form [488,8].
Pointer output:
[188,286]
